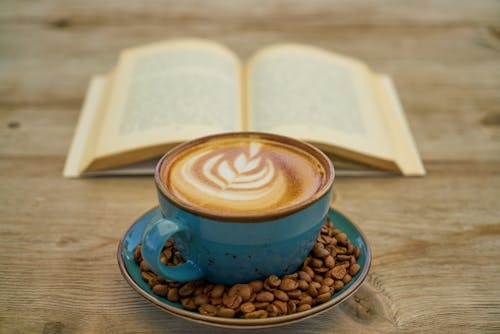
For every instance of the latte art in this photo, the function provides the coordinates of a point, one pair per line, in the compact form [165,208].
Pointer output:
[243,175]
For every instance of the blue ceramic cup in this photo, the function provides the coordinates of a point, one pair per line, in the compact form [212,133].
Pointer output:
[235,248]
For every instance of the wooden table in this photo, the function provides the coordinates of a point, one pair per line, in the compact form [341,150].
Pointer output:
[435,240]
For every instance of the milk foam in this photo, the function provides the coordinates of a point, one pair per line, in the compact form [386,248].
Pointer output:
[244,175]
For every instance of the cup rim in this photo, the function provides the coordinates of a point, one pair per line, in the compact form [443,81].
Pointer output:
[251,217]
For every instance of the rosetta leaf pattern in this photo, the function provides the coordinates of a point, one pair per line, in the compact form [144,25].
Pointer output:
[243,171]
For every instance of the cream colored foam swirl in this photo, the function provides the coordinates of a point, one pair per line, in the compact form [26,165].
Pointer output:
[239,175]
[243,177]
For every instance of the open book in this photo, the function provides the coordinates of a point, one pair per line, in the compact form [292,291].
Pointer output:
[165,93]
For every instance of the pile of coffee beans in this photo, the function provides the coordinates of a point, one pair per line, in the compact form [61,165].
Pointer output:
[330,264]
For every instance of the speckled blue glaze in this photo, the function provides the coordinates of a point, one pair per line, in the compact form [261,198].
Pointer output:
[231,252]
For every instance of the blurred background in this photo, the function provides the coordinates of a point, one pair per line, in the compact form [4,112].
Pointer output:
[442,55]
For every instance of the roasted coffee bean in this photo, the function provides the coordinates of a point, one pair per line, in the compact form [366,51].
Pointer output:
[325,229]
[201,299]
[342,257]
[216,301]
[247,307]
[188,304]
[319,251]
[232,301]
[272,282]
[294,294]
[265,296]
[173,295]
[303,285]
[347,278]
[323,298]
[259,314]
[345,264]
[281,295]
[147,276]
[340,250]
[341,237]
[356,252]
[160,290]
[318,278]
[208,287]
[261,305]
[323,289]
[207,309]
[353,270]
[175,284]
[244,290]
[309,271]
[321,270]
[332,249]
[167,253]
[217,291]
[315,284]
[288,284]
[330,226]
[292,306]
[350,247]
[225,312]
[329,261]
[312,291]
[272,310]
[187,289]
[303,307]
[137,254]
[163,260]
[256,285]
[328,281]
[144,266]
[153,281]
[304,276]
[338,272]
[336,231]
[282,306]
[327,239]
[293,276]
[338,285]
[306,299]
[316,263]
[169,243]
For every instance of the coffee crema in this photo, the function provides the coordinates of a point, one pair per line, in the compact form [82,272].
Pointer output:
[243,175]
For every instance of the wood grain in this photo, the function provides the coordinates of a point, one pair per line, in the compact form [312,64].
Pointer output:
[435,240]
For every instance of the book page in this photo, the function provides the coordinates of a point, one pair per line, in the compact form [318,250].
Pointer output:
[86,132]
[317,96]
[405,148]
[171,92]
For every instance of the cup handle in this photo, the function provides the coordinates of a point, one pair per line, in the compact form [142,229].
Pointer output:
[153,239]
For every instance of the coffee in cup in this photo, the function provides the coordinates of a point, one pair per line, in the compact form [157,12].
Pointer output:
[240,206]
[242,176]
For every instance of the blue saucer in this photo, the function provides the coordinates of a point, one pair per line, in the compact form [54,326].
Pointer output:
[132,274]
